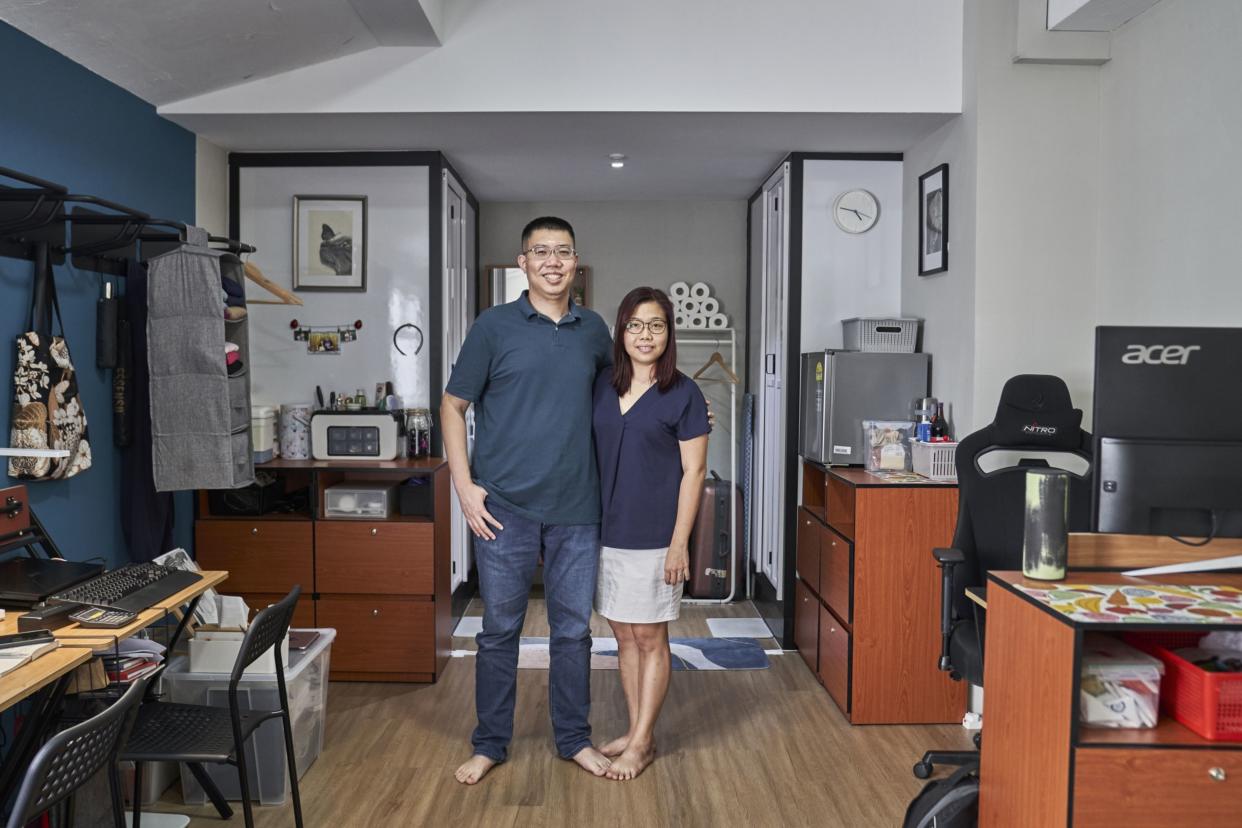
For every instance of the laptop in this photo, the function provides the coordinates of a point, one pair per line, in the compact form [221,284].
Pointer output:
[26,581]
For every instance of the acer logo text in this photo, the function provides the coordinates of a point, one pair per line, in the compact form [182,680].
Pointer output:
[1158,354]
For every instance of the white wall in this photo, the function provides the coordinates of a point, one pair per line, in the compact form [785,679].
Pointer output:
[397,284]
[1037,197]
[640,56]
[628,244]
[211,187]
[1169,214]
[846,275]
[946,301]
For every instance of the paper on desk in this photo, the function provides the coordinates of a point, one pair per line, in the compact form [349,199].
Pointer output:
[14,657]
[205,612]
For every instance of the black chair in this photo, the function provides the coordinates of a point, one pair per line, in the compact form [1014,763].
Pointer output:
[73,756]
[199,734]
[1036,426]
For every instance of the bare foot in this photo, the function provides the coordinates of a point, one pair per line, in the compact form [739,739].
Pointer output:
[632,762]
[474,769]
[592,761]
[616,747]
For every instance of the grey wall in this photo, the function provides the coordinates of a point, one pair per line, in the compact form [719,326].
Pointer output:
[628,244]
[1169,213]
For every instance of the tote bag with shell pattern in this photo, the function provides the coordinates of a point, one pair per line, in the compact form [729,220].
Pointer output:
[47,409]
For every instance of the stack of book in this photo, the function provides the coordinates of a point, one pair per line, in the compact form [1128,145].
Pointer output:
[126,668]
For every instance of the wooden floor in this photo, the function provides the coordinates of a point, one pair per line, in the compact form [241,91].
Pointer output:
[752,748]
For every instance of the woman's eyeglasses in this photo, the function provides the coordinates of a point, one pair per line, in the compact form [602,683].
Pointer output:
[541,252]
[637,326]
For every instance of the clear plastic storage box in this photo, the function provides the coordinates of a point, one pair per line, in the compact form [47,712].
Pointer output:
[360,499]
[886,444]
[1119,685]
[306,679]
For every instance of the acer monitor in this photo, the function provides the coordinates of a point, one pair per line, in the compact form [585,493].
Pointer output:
[1168,431]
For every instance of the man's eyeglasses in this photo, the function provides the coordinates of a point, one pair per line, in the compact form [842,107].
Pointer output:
[541,252]
[656,326]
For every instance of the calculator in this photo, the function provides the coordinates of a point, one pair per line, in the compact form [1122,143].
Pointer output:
[102,617]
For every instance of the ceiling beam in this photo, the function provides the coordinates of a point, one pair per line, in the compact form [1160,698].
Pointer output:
[402,22]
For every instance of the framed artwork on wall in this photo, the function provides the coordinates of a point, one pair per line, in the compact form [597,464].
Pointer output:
[580,290]
[934,221]
[329,242]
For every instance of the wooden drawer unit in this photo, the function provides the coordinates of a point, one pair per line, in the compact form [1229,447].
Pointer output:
[806,626]
[384,585]
[834,658]
[261,556]
[380,634]
[1141,787]
[877,594]
[835,579]
[808,552]
[303,613]
[393,558]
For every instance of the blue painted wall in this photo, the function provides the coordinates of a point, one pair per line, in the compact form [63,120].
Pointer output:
[60,122]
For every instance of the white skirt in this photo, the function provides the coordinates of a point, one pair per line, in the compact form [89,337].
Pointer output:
[631,587]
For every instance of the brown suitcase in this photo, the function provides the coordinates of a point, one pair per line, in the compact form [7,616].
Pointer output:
[710,567]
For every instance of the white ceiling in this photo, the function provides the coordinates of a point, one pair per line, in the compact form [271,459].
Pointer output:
[556,156]
[174,50]
[166,50]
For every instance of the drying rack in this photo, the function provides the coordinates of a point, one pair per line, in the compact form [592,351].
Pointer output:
[694,345]
[94,233]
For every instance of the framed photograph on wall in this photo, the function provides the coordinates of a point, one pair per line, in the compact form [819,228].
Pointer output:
[329,242]
[934,221]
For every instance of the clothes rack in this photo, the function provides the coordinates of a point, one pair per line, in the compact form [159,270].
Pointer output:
[97,234]
[690,343]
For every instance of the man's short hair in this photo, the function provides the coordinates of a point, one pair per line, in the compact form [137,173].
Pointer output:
[547,223]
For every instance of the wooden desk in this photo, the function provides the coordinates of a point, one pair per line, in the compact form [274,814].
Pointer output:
[49,674]
[34,675]
[978,594]
[1039,768]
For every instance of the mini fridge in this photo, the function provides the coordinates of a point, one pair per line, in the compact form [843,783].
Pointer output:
[840,389]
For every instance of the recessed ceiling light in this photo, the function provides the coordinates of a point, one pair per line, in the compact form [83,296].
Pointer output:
[616,160]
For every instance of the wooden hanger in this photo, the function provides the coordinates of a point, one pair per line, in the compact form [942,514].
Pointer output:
[716,359]
[255,275]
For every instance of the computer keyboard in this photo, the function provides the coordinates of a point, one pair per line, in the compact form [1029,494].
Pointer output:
[133,587]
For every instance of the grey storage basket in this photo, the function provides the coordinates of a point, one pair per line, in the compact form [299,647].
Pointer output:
[883,336]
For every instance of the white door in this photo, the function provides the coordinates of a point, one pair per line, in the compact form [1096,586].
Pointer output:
[768,507]
[456,321]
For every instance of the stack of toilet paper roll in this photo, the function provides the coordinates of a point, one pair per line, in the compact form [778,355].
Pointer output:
[695,307]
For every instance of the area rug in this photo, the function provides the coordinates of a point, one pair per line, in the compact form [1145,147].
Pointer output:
[688,654]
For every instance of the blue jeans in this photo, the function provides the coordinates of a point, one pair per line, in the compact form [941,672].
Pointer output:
[506,570]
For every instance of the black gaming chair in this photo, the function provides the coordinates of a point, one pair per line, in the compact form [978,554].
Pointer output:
[1036,426]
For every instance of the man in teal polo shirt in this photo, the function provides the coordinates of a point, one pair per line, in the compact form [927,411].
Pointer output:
[528,367]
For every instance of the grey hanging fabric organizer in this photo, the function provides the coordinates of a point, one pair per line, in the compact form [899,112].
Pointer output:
[200,416]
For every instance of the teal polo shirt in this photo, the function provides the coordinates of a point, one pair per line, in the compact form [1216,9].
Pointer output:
[530,379]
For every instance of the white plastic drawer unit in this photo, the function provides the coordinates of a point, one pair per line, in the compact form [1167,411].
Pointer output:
[360,499]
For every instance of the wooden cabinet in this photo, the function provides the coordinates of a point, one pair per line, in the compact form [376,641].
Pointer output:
[383,585]
[876,590]
[1146,788]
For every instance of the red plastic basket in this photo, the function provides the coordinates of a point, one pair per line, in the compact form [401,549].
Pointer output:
[1210,704]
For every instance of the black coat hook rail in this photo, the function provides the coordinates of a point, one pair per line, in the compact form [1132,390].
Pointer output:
[96,234]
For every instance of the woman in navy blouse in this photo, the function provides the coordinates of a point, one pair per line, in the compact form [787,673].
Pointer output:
[651,427]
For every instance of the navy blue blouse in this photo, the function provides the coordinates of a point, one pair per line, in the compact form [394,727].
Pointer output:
[639,459]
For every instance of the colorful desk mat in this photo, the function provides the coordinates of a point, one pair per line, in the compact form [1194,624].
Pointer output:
[1147,604]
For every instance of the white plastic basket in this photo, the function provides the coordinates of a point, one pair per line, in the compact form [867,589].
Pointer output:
[935,460]
[886,336]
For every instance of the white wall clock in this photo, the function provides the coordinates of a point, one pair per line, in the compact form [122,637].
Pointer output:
[856,211]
